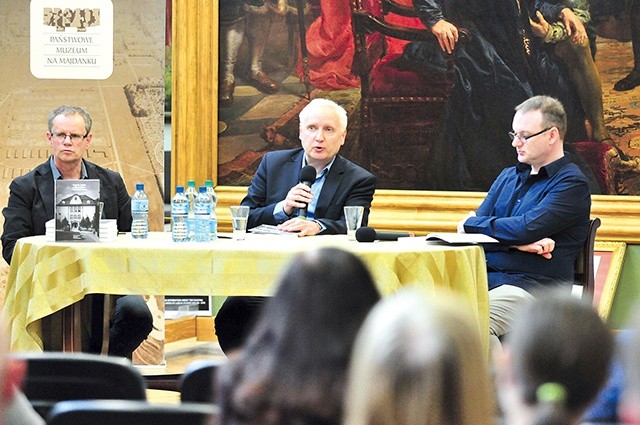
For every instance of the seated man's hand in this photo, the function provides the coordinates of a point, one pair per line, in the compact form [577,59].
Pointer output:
[461,222]
[300,225]
[299,196]
[446,33]
[542,247]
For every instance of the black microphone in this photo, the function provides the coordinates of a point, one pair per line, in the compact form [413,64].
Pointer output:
[307,176]
[369,234]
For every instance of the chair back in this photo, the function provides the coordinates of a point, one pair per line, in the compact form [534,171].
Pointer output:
[584,274]
[109,412]
[401,106]
[198,381]
[54,376]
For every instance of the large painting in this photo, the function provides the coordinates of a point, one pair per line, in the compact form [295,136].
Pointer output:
[402,144]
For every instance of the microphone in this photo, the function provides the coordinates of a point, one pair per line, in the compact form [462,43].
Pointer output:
[307,176]
[369,234]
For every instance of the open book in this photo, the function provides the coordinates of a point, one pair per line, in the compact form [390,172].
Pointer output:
[461,238]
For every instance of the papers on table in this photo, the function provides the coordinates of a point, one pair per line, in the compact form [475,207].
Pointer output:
[267,229]
[453,238]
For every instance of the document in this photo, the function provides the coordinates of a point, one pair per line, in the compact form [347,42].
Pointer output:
[268,229]
[461,238]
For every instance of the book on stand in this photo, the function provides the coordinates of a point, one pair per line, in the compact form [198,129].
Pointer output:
[78,210]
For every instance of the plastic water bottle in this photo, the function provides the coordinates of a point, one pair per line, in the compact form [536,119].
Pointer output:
[179,213]
[214,201]
[139,213]
[202,211]
[191,193]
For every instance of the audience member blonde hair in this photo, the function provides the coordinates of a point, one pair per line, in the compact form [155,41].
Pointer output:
[418,360]
[554,362]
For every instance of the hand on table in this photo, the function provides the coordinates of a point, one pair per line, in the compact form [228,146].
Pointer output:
[300,225]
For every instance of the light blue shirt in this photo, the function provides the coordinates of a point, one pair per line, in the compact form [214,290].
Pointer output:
[316,188]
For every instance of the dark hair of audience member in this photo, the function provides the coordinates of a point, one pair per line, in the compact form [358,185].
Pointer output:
[418,360]
[293,366]
[561,351]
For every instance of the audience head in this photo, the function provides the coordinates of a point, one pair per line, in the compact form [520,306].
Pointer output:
[629,407]
[323,129]
[418,359]
[12,372]
[294,363]
[555,360]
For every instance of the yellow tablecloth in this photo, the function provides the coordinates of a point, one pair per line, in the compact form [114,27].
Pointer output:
[46,277]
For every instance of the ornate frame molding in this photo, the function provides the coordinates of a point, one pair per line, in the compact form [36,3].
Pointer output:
[195,144]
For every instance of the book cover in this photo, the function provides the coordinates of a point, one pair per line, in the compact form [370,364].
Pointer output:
[78,210]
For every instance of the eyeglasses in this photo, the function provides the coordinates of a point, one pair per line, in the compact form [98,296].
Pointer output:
[60,137]
[524,139]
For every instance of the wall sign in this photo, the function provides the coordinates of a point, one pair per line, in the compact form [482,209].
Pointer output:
[71,39]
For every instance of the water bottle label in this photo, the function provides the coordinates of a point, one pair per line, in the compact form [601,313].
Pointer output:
[139,205]
[204,209]
[182,208]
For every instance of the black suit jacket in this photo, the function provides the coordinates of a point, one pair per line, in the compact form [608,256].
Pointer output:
[31,200]
[345,184]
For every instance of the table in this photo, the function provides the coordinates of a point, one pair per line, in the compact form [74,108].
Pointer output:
[46,277]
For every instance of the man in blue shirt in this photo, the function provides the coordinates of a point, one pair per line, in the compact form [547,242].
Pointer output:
[539,210]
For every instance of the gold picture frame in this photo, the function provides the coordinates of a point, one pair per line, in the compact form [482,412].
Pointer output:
[609,257]
[194,154]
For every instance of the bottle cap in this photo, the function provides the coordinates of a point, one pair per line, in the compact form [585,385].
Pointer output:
[179,189]
[208,183]
[139,186]
[203,189]
[191,183]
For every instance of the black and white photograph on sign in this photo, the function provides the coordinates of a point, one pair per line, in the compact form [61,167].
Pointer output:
[78,210]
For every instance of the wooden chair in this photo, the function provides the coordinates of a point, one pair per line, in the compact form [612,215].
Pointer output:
[584,274]
[198,381]
[400,110]
[54,376]
[108,412]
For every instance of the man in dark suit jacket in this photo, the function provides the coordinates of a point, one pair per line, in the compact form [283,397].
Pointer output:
[31,204]
[276,197]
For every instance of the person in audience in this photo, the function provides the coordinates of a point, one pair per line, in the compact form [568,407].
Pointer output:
[31,204]
[554,361]
[538,210]
[629,403]
[293,367]
[276,195]
[15,409]
[418,359]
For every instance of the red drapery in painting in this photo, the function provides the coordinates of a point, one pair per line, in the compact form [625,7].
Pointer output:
[330,44]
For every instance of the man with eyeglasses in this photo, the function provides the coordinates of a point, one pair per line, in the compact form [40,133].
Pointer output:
[538,210]
[32,203]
